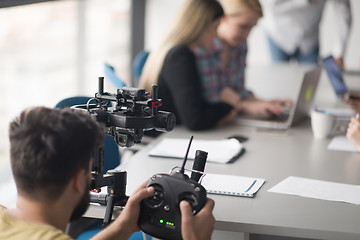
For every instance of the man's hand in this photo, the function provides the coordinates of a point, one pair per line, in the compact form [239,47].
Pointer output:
[200,226]
[127,223]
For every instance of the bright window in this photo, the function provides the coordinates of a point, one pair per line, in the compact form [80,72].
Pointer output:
[53,50]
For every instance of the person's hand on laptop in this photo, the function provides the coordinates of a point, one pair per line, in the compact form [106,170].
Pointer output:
[252,105]
[258,107]
[286,103]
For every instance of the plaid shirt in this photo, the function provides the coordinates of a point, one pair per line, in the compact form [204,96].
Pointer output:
[214,76]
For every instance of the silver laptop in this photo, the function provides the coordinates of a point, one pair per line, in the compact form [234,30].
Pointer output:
[296,113]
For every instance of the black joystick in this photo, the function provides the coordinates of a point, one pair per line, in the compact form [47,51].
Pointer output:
[160,214]
[190,198]
[158,198]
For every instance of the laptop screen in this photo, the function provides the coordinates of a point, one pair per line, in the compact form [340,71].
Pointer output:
[335,75]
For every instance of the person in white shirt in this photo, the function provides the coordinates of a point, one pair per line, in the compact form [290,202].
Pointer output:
[292,28]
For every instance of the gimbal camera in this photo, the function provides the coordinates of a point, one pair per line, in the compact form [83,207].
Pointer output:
[134,112]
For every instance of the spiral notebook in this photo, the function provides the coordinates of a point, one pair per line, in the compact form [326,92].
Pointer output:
[232,185]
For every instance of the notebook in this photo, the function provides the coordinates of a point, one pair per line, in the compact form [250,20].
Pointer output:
[219,151]
[231,185]
[297,113]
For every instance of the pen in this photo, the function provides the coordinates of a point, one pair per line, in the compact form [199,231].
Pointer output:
[251,186]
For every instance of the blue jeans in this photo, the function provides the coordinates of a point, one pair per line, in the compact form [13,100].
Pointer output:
[278,55]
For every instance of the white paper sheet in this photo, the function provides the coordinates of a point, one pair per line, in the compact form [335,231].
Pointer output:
[341,143]
[318,189]
[220,151]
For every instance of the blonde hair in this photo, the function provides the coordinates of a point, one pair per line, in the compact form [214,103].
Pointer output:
[236,7]
[188,25]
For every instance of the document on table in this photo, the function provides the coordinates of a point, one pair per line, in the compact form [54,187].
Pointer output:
[341,143]
[219,151]
[324,190]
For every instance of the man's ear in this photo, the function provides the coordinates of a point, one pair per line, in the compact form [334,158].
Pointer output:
[79,181]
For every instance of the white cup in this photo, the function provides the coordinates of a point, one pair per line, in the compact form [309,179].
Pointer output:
[321,123]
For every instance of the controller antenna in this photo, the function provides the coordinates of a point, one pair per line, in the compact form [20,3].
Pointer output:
[182,170]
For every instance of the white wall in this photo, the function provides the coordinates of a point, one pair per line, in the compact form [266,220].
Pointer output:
[159,14]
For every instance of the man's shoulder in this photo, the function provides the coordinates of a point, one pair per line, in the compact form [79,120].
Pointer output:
[14,229]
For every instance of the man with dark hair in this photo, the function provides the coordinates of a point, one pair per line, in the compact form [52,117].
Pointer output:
[51,153]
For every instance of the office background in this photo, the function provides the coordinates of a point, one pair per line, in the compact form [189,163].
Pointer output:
[52,50]
[56,49]
[159,10]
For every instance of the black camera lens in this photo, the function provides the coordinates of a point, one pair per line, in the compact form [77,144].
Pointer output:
[165,121]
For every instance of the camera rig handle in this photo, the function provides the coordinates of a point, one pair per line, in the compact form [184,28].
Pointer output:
[115,180]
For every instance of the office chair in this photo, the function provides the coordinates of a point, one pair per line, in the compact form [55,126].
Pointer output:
[111,149]
[138,65]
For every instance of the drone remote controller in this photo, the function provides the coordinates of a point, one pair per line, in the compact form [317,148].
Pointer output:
[160,214]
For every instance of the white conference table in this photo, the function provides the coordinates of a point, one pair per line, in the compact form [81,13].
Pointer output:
[273,157]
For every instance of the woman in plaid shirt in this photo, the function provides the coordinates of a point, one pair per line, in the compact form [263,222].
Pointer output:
[222,69]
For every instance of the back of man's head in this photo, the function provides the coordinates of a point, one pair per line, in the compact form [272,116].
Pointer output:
[48,146]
